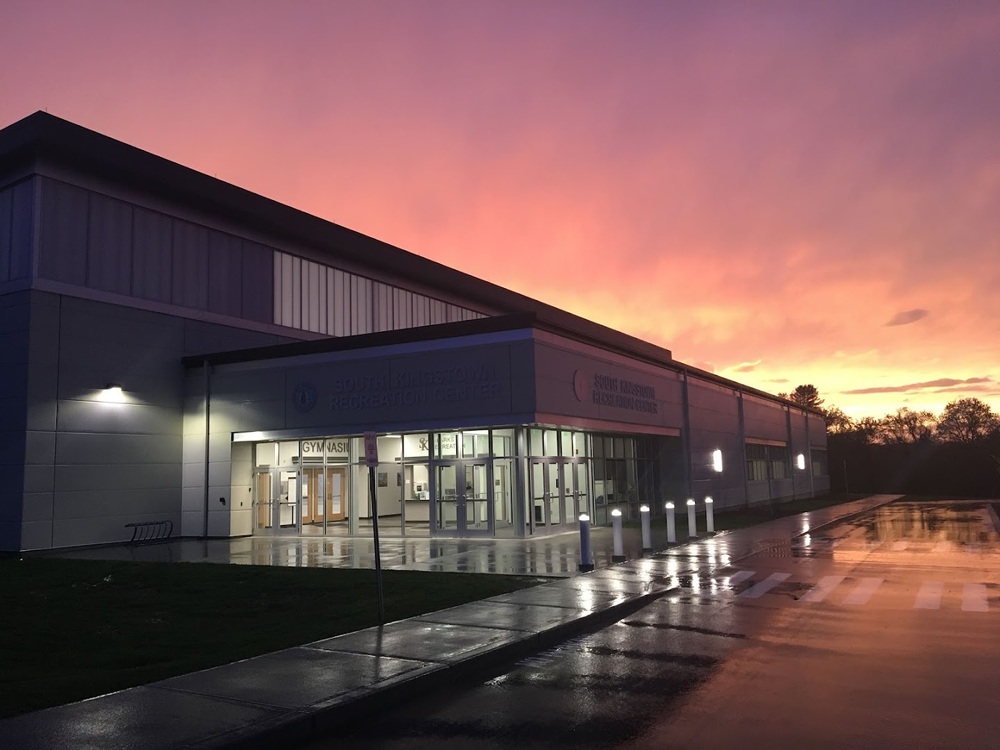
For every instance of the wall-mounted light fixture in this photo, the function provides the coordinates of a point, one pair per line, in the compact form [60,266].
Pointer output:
[717,460]
[112,394]
[800,461]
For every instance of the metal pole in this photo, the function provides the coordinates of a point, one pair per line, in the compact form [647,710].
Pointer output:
[692,522]
[616,527]
[710,515]
[671,525]
[378,554]
[586,558]
[647,542]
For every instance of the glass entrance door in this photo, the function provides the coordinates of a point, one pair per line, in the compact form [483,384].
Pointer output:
[276,501]
[461,499]
[263,501]
[553,498]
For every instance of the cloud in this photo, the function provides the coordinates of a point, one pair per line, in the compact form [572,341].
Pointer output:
[745,366]
[907,316]
[941,384]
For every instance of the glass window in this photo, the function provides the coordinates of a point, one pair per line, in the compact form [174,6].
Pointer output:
[288,452]
[551,438]
[446,445]
[416,445]
[503,442]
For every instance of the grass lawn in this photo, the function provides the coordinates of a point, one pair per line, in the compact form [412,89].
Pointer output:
[72,629]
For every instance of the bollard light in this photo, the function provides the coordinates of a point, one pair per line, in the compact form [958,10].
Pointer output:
[671,525]
[647,540]
[616,528]
[709,515]
[586,558]
[692,523]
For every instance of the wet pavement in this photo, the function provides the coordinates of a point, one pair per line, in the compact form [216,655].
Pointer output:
[286,697]
[556,556]
[876,632]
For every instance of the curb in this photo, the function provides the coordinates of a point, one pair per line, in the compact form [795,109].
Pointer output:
[302,726]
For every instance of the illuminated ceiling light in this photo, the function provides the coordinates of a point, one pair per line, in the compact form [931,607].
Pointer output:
[717,460]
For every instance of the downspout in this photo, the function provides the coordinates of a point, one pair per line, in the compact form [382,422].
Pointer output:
[743,446]
[686,438]
[206,370]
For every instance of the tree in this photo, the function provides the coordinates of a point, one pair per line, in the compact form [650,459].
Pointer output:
[906,426]
[807,396]
[967,420]
[837,423]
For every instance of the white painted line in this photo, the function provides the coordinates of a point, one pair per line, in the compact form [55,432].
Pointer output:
[974,598]
[740,576]
[899,546]
[759,589]
[929,596]
[863,591]
[942,547]
[821,590]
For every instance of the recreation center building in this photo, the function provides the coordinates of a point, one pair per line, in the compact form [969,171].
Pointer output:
[184,355]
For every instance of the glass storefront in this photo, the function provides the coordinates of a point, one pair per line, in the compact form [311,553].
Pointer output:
[504,482]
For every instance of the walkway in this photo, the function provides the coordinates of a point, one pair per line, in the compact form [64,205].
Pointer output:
[279,699]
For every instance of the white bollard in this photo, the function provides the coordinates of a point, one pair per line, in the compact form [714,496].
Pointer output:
[586,558]
[709,515]
[616,528]
[671,525]
[692,522]
[647,540]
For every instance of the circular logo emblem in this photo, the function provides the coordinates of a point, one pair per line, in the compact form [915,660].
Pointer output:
[304,397]
[580,385]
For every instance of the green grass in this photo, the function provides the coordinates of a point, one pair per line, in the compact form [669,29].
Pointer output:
[72,629]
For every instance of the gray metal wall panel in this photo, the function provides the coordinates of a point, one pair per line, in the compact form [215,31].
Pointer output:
[190,266]
[21,230]
[152,255]
[62,244]
[764,421]
[6,220]
[109,464]
[109,245]
[225,274]
[258,283]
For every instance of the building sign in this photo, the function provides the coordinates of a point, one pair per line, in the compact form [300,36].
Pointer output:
[334,447]
[415,387]
[620,393]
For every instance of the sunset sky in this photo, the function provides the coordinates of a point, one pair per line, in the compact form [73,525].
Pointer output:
[779,192]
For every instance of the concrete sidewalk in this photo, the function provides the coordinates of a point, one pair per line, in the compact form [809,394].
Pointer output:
[286,697]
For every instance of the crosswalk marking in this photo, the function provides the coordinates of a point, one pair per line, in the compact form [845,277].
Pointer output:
[740,576]
[929,596]
[899,546]
[759,589]
[974,598]
[863,591]
[941,547]
[821,590]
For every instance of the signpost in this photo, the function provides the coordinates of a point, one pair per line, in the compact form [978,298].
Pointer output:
[371,458]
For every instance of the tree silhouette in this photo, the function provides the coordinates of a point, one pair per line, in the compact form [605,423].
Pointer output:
[967,420]
[807,396]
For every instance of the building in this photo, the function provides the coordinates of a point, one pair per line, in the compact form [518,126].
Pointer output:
[182,353]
